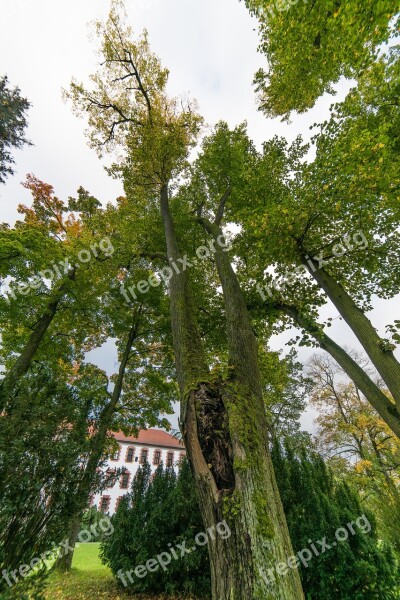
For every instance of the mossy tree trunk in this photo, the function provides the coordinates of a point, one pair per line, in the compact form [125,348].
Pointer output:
[380,355]
[384,407]
[225,430]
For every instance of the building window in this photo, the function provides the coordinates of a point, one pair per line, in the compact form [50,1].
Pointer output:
[118,502]
[143,456]
[130,454]
[124,483]
[181,457]
[110,478]
[157,457]
[116,454]
[104,504]
[170,459]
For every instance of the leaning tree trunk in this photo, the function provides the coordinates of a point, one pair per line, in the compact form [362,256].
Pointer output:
[386,409]
[224,426]
[381,357]
[64,562]
[24,360]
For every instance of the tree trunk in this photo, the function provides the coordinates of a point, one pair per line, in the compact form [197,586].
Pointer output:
[386,409]
[63,563]
[98,441]
[383,359]
[225,431]
[23,362]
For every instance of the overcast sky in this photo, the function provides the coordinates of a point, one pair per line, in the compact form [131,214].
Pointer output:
[210,48]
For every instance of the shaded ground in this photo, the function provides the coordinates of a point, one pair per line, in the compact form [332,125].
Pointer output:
[90,579]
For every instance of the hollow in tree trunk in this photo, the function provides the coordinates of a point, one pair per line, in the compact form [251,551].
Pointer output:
[224,425]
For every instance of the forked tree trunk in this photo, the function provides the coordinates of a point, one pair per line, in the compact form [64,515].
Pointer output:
[224,426]
[382,358]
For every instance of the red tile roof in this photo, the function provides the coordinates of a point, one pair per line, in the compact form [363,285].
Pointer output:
[150,437]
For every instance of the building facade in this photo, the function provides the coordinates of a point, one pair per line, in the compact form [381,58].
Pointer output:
[152,446]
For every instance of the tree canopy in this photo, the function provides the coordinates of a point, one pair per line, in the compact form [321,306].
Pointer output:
[13,122]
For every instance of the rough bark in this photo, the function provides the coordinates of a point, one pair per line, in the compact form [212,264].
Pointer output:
[24,360]
[381,403]
[225,431]
[382,358]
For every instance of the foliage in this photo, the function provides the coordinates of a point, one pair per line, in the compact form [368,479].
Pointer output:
[42,439]
[327,39]
[358,445]
[158,514]
[13,108]
[317,506]
[285,391]
[92,517]
[278,207]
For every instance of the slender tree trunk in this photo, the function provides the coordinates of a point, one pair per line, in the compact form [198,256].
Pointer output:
[383,359]
[23,362]
[64,561]
[381,403]
[225,432]
[98,442]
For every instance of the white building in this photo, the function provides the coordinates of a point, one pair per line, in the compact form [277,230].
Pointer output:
[153,446]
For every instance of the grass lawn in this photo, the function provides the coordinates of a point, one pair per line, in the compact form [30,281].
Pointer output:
[89,579]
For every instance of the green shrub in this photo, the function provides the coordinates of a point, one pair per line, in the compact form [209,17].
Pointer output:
[359,568]
[158,514]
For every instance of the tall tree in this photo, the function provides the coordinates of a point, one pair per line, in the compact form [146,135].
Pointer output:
[223,416]
[316,229]
[142,391]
